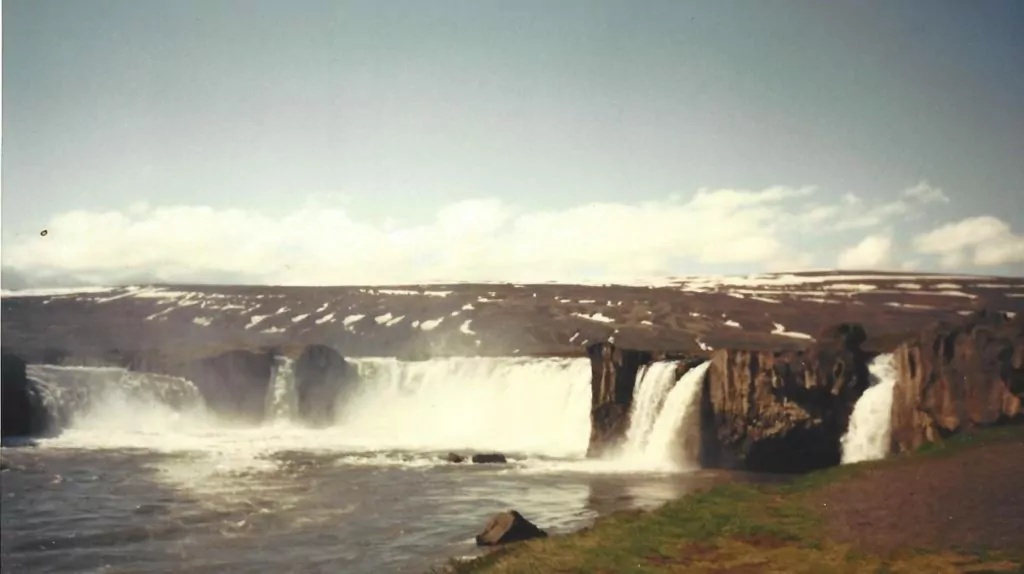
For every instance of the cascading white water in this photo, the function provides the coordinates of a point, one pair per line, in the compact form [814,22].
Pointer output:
[114,398]
[662,410]
[517,405]
[867,437]
[282,396]
[652,385]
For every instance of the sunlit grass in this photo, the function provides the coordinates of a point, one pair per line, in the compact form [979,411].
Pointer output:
[741,528]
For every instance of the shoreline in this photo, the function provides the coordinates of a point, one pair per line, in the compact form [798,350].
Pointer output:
[837,519]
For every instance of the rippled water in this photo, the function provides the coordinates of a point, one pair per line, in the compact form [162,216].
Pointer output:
[68,509]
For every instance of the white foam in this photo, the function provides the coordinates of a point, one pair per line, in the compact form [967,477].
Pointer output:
[282,397]
[202,321]
[329,317]
[734,324]
[867,437]
[512,405]
[465,329]
[664,421]
[298,318]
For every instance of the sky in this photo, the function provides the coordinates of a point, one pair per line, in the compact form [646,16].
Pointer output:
[334,142]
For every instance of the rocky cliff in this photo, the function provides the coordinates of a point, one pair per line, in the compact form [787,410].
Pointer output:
[22,413]
[321,377]
[782,411]
[613,378]
[955,377]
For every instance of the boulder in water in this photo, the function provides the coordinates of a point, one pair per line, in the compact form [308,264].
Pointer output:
[507,527]
[489,458]
[455,457]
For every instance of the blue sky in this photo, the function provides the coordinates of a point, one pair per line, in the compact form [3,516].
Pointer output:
[353,142]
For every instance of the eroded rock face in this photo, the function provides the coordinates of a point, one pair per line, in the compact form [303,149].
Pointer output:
[782,411]
[613,377]
[953,378]
[233,384]
[508,527]
[321,375]
[23,414]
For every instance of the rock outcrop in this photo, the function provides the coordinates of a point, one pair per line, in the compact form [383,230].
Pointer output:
[508,527]
[613,377]
[953,378]
[782,411]
[233,384]
[22,411]
[321,376]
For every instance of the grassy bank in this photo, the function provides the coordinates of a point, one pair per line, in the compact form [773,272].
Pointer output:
[748,528]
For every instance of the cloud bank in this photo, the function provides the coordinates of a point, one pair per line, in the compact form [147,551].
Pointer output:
[773,229]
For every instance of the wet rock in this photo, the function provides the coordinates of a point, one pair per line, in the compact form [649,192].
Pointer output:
[23,414]
[455,457]
[489,458]
[507,527]
[782,411]
[613,376]
[956,377]
[321,376]
[233,384]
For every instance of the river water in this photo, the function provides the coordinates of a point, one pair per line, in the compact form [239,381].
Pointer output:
[144,479]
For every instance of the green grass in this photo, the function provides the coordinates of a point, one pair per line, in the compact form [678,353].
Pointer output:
[739,528]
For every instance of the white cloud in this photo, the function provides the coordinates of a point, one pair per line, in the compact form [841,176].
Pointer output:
[924,192]
[319,243]
[469,240]
[983,241]
[909,205]
[873,252]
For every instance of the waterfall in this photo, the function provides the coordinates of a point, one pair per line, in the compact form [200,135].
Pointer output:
[653,384]
[111,397]
[518,405]
[867,437]
[282,396]
[664,419]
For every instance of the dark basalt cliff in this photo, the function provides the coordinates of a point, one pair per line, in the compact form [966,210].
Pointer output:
[321,376]
[953,378]
[782,412]
[22,413]
[613,378]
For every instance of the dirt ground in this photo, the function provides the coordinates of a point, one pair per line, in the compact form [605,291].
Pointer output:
[971,500]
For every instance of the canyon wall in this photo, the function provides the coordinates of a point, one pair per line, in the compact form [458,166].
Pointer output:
[957,377]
